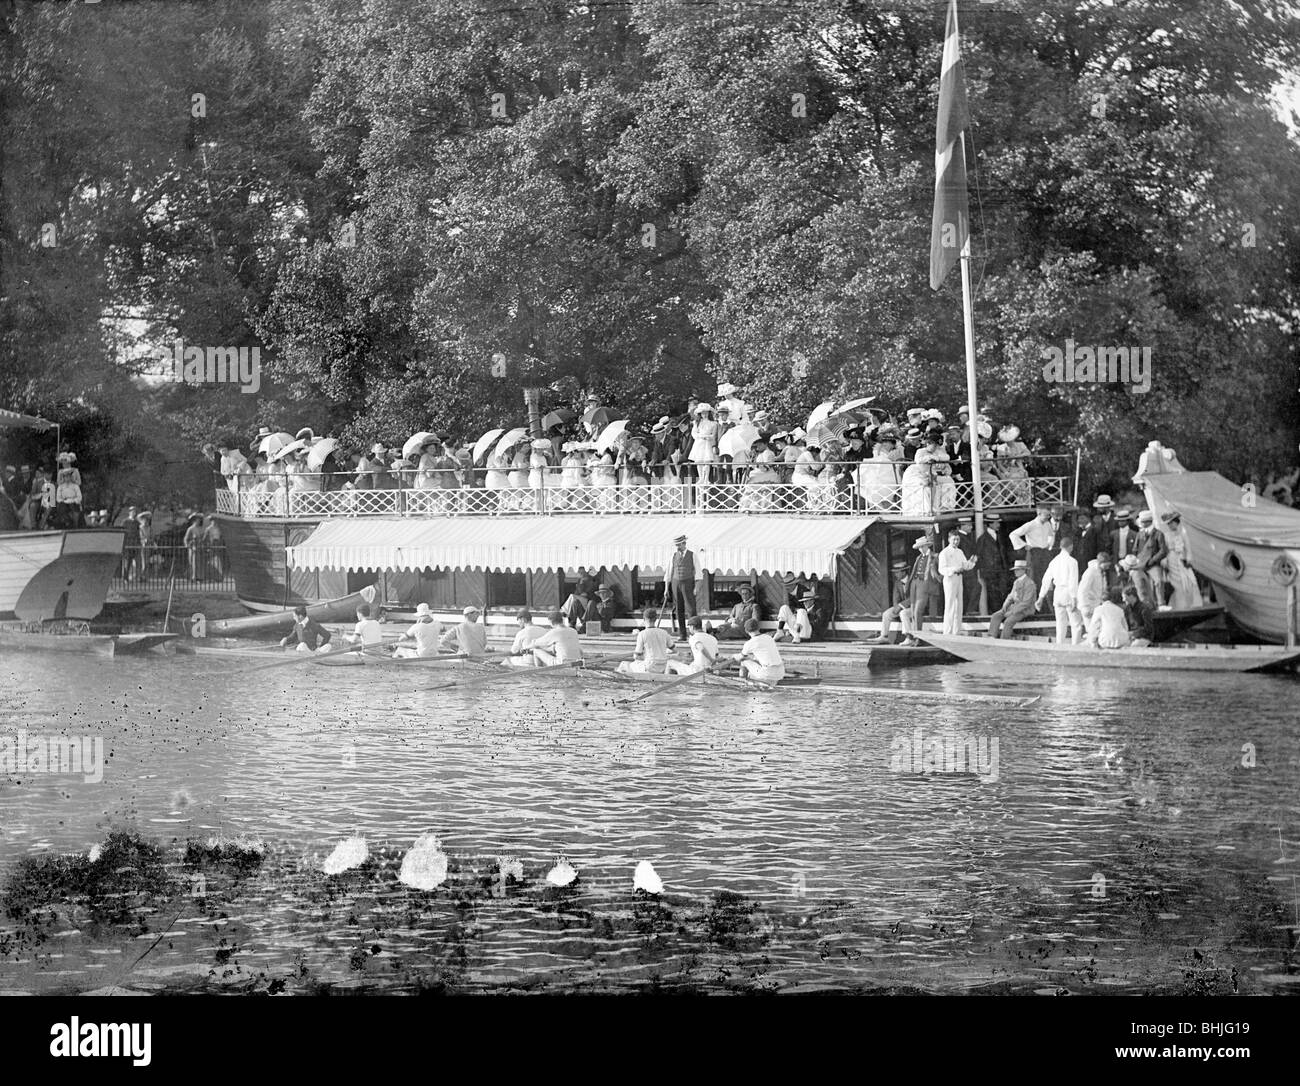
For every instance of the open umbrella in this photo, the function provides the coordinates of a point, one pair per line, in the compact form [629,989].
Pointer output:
[484,443]
[416,442]
[819,433]
[610,434]
[557,417]
[286,450]
[320,450]
[511,439]
[855,405]
[598,417]
[273,443]
[819,413]
[737,440]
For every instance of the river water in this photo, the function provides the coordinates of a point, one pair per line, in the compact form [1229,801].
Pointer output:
[1126,833]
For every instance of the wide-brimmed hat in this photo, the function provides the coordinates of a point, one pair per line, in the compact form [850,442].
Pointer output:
[726,389]
[915,411]
[963,410]
[780,435]
[1169,518]
[934,413]
[722,408]
[378,449]
[924,541]
[1009,433]
[1103,502]
[807,594]
[604,590]
[263,431]
[66,457]
[305,434]
[798,433]
[747,588]
[422,611]
[541,444]
[700,409]
[144,514]
[759,417]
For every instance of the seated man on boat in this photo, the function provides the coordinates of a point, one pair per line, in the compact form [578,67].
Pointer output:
[704,650]
[733,629]
[468,637]
[559,645]
[760,659]
[1020,604]
[521,649]
[652,645]
[1095,585]
[1140,617]
[368,631]
[424,634]
[607,607]
[1109,626]
[308,634]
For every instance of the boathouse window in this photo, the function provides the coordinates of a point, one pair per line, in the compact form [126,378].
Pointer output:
[1234,563]
[508,589]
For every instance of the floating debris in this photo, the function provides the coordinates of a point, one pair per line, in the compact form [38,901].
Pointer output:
[562,874]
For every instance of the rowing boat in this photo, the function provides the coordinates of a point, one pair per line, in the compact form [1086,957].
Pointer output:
[714,679]
[85,644]
[1021,654]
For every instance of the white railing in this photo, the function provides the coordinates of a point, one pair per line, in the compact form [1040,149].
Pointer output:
[899,489]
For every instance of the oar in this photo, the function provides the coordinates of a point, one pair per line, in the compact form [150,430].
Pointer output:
[659,689]
[526,672]
[307,658]
[998,699]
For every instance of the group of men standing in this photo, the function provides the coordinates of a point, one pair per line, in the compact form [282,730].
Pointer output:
[1080,567]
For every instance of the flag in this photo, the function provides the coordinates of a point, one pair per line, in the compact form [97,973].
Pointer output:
[951,224]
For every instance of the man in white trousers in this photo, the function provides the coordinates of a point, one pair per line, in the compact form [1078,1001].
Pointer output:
[952,564]
[1062,577]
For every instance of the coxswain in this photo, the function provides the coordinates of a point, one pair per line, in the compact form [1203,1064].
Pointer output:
[307,634]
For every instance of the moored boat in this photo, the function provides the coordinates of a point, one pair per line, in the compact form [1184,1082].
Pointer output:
[1023,654]
[91,644]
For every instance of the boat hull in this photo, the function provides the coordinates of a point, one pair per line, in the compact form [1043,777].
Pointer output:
[54,575]
[1023,654]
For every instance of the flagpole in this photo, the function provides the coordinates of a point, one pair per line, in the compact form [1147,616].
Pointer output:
[972,404]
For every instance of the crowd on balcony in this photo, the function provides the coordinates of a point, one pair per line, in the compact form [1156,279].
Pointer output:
[844,457]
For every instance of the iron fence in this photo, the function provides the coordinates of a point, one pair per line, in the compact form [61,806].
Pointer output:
[155,567]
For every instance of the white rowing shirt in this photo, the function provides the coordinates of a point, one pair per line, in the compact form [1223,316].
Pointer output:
[426,636]
[704,650]
[368,632]
[652,645]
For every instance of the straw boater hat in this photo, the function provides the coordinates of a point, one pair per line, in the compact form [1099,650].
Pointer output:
[898,563]
[604,590]
[263,431]
[1103,502]
[422,611]
[759,418]
[541,444]
[378,449]
[679,539]
[747,588]
[1146,518]
[1129,561]
[470,611]
[661,427]
[1123,512]
[1019,563]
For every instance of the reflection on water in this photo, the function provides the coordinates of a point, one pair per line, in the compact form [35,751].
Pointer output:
[1136,833]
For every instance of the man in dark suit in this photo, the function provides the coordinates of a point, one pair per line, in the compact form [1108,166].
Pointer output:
[1086,546]
[1123,536]
[992,567]
[1103,517]
[681,585]
[970,579]
[926,585]
[1151,551]
[957,445]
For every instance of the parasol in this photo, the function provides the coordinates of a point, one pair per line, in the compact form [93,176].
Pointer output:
[320,450]
[598,417]
[557,418]
[292,447]
[610,434]
[737,440]
[854,405]
[819,413]
[416,442]
[273,443]
[484,443]
[511,439]
[819,433]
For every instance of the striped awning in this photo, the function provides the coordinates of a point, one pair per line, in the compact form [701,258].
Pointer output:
[766,544]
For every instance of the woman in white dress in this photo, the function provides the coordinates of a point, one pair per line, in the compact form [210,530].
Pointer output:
[756,496]
[1010,462]
[807,474]
[924,489]
[1178,569]
[878,475]
[539,460]
[604,477]
[704,442]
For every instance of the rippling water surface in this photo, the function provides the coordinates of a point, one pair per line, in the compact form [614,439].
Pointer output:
[1127,832]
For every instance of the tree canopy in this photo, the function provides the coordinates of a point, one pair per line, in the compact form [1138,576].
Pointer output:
[416,207]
